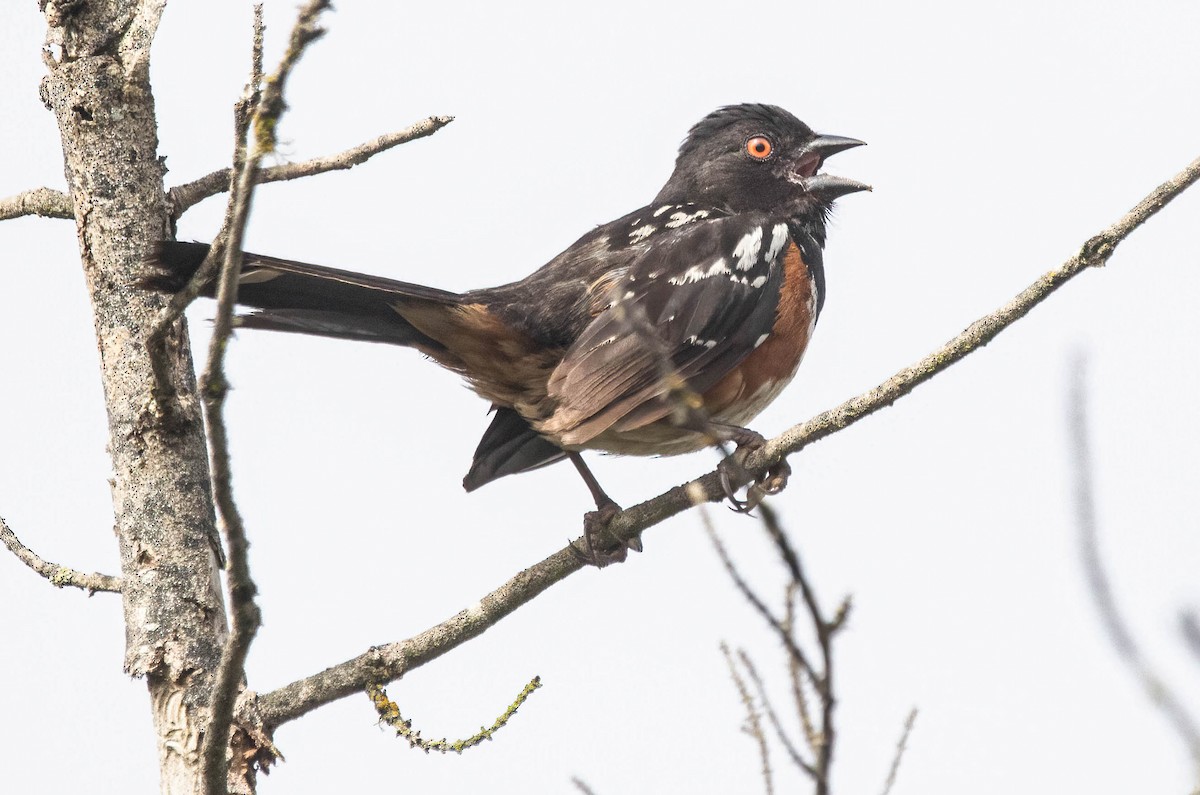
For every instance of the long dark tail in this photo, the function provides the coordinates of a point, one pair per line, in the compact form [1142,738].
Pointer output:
[307,299]
[310,299]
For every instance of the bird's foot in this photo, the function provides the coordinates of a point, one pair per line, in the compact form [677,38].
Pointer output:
[601,546]
[773,481]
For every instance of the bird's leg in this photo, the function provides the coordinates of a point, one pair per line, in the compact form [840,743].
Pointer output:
[771,482]
[595,523]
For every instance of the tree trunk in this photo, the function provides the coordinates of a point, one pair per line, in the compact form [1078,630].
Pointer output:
[98,88]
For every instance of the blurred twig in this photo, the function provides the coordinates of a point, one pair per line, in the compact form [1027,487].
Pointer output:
[1156,689]
[901,746]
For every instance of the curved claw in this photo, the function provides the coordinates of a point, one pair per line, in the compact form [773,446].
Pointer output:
[735,505]
[773,482]
[595,526]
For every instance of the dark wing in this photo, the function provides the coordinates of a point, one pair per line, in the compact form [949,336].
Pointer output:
[509,446]
[693,306]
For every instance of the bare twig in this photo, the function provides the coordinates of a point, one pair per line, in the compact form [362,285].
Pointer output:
[822,739]
[901,746]
[256,123]
[59,576]
[46,202]
[183,197]
[825,631]
[796,671]
[755,600]
[384,663]
[582,786]
[1156,689]
[753,719]
[769,708]
[1189,627]
[389,713]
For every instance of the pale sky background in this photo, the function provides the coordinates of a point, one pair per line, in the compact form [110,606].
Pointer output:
[1000,140]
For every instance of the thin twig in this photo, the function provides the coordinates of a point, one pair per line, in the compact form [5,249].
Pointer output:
[825,630]
[384,663]
[1156,689]
[183,197]
[754,599]
[389,713]
[59,576]
[46,202]
[582,786]
[796,671]
[256,122]
[1189,627]
[769,708]
[753,720]
[901,746]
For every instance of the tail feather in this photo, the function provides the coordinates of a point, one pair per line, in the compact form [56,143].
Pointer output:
[308,299]
[509,446]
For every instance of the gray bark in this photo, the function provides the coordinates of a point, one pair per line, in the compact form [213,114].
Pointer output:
[98,88]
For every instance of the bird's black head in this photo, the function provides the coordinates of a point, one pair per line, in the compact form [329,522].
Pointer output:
[758,157]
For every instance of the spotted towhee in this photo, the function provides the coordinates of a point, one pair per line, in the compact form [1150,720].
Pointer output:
[704,299]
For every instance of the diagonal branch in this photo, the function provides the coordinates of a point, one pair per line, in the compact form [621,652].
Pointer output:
[59,576]
[181,198]
[384,663]
[46,202]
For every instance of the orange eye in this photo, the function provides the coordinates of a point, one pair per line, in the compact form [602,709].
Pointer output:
[759,147]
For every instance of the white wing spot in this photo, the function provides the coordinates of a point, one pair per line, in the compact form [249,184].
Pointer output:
[681,218]
[761,339]
[747,249]
[759,281]
[629,294]
[779,235]
[641,233]
[663,209]
[697,273]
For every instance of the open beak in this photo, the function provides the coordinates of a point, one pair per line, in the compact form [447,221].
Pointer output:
[826,145]
[810,159]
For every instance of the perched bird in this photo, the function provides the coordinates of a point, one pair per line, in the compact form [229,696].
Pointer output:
[662,332]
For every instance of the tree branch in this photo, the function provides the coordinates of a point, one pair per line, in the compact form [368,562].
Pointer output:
[59,576]
[256,124]
[182,198]
[46,202]
[382,664]
[51,203]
